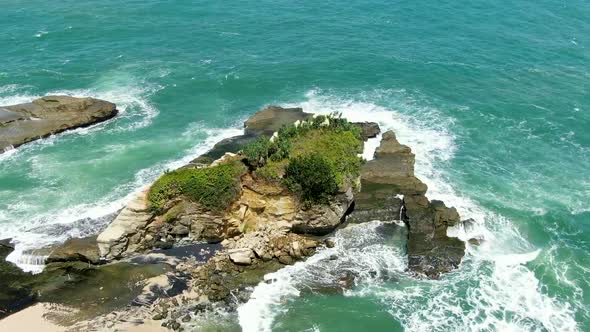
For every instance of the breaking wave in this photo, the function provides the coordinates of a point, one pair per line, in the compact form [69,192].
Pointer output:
[502,293]
[40,225]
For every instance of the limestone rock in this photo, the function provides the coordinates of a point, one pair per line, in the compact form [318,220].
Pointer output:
[241,256]
[430,250]
[394,166]
[390,191]
[115,239]
[49,115]
[383,179]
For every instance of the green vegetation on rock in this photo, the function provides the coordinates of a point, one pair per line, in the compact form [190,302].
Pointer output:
[273,171]
[213,187]
[340,148]
[328,145]
[258,151]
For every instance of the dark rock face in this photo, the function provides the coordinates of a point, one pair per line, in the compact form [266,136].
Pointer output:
[390,191]
[430,250]
[49,115]
[15,289]
[368,129]
[5,244]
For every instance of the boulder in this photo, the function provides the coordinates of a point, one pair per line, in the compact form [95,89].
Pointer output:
[207,227]
[323,219]
[49,115]
[76,249]
[241,256]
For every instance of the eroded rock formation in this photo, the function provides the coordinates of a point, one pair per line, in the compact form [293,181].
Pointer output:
[391,191]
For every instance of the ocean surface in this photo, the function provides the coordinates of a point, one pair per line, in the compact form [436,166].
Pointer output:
[492,96]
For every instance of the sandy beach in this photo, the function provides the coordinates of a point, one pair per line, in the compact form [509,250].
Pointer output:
[33,319]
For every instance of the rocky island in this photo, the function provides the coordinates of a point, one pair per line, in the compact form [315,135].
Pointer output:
[201,235]
[23,123]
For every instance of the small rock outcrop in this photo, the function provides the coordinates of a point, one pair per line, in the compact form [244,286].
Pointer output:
[23,123]
[272,118]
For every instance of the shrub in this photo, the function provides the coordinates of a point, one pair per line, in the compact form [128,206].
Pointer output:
[312,177]
[258,151]
[212,187]
[336,140]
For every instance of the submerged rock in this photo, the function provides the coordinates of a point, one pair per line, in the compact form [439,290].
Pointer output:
[49,115]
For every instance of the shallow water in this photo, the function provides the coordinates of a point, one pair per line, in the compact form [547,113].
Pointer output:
[492,97]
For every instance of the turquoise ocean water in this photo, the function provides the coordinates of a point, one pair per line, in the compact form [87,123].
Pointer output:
[492,96]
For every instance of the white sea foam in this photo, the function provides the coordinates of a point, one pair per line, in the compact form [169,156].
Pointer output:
[135,110]
[270,296]
[502,293]
[88,218]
